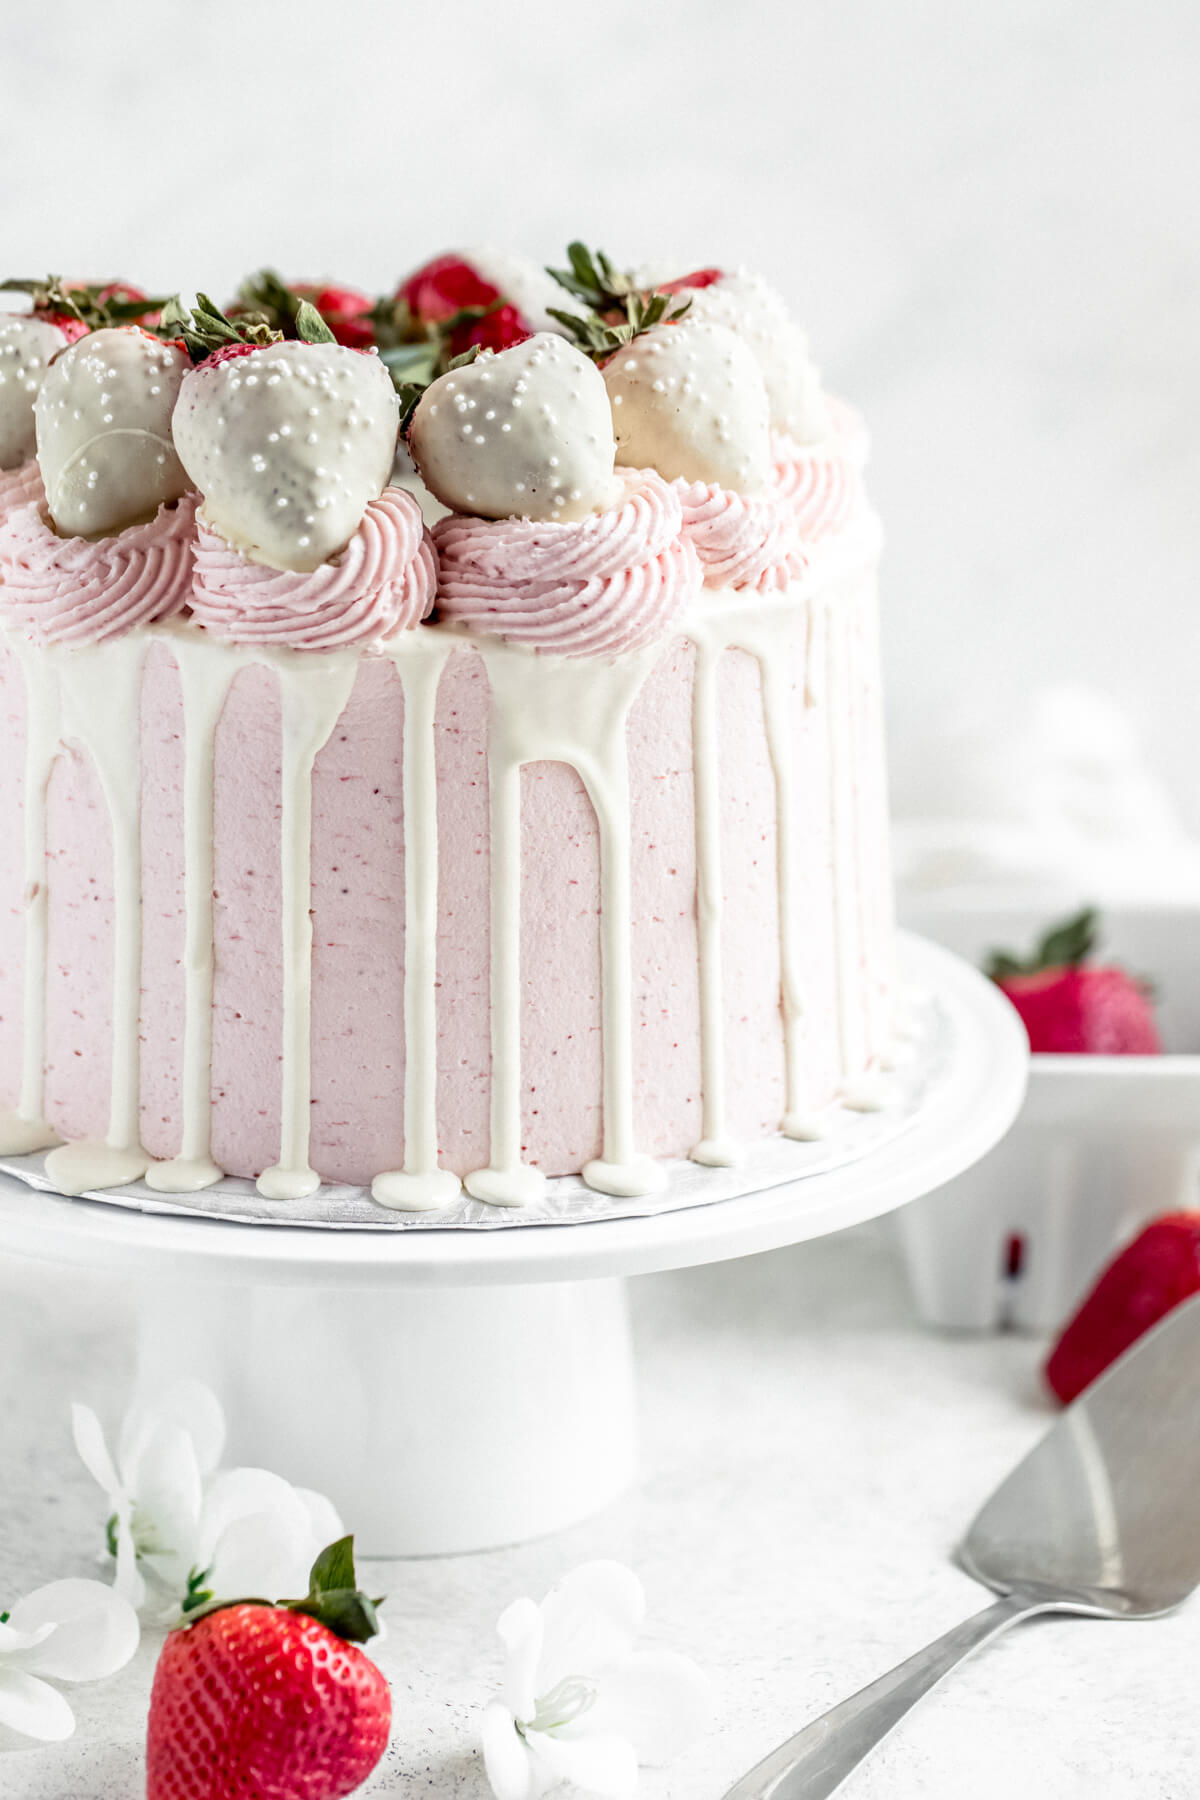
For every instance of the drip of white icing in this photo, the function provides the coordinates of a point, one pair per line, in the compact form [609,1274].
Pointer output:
[314,691]
[572,710]
[715,1149]
[839,698]
[772,632]
[420,1186]
[26,1128]
[206,670]
[101,706]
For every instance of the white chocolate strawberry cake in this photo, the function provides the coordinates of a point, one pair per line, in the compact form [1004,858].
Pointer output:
[442,734]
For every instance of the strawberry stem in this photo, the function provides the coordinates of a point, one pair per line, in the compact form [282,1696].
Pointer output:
[1064,946]
[608,294]
[334,1598]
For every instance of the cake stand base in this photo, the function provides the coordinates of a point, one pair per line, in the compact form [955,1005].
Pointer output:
[437,1420]
[458,1390]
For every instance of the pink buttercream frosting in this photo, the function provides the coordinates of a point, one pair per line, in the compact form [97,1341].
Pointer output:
[19,487]
[599,586]
[823,482]
[384,581]
[743,540]
[74,590]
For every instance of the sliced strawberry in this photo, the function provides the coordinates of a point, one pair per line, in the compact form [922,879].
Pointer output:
[1151,1276]
[1071,1007]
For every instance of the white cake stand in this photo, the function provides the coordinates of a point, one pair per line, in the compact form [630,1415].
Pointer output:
[459,1390]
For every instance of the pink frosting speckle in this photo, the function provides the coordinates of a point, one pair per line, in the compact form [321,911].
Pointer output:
[592,587]
[743,540]
[19,487]
[384,581]
[77,590]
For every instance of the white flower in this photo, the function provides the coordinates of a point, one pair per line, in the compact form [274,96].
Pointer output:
[69,1631]
[579,1703]
[178,1529]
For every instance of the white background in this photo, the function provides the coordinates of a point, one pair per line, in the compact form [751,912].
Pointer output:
[985,212]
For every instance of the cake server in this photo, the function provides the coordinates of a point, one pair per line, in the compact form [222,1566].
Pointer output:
[1102,1520]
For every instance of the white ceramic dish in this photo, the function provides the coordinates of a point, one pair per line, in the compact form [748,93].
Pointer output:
[1102,1145]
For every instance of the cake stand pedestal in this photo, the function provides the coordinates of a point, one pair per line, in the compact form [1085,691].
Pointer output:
[460,1390]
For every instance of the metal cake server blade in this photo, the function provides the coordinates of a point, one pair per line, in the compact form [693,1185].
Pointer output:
[1102,1519]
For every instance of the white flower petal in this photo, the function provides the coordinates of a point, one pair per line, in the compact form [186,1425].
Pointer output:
[34,1709]
[194,1406]
[324,1521]
[596,1762]
[237,1493]
[659,1701]
[188,1406]
[520,1631]
[127,1580]
[266,1555]
[507,1761]
[12,1641]
[591,1619]
[90,1631]
[89,1441]
[166,1487]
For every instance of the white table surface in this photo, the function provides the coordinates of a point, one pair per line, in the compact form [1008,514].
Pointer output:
[810,1455]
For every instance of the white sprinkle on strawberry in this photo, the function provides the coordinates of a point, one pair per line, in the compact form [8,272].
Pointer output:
[104,431]
[748,306]
[523,433]
[289,443]
[26,346]
[689,401]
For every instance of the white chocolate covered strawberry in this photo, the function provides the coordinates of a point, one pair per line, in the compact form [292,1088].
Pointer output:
[520,433]
[26,347]
[289,443]
[748,306]
[104,431]
[688,400]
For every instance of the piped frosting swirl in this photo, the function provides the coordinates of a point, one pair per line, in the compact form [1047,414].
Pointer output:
[822,482]
[743,540]
[600,586]
[20,487]
[74,590]
[383,582]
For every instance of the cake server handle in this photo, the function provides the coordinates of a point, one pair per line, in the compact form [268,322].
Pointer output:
[815,1762]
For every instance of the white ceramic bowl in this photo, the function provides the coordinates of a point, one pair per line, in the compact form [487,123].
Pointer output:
[1103,1143]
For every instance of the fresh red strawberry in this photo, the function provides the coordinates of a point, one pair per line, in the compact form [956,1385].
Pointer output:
[1071,1007]
[275,303]
[77,307]
[346,311]
[498,329]
[443,287]
[254,1701]
[1151,1276]
[699,278]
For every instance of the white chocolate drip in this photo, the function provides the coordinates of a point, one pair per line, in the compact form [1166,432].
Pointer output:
[810,646]
[314,692]
[101,703]
[771,631]
[572,710]
[206,669]
[26,1129]
[421,1185]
